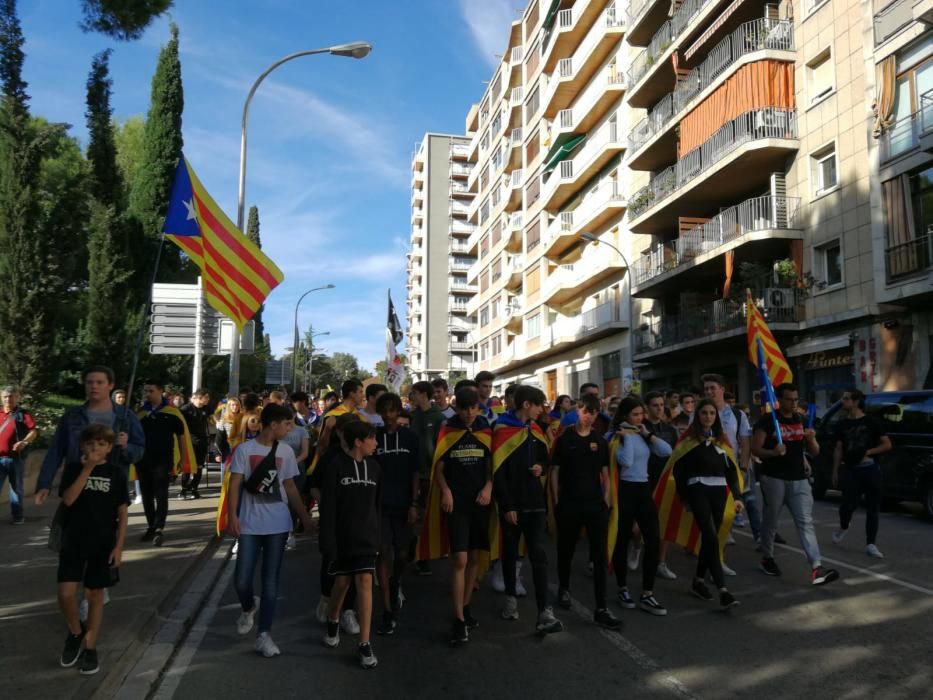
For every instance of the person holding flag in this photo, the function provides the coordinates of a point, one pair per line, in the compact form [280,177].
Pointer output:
[395,370]
[168,451]
[458,516]
[519,458]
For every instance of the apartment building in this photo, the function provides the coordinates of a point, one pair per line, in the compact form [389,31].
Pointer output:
[439,341]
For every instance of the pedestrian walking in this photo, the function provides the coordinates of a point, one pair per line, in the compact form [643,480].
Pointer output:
[262,487]
[426,422]
[659,424]
[17,432]
[196,417]
[95,496]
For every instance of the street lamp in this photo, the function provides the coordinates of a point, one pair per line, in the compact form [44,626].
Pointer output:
[587,236]
[310,358]
[356,49]
[295,344]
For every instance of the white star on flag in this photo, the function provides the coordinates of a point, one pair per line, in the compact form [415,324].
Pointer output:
[192,214]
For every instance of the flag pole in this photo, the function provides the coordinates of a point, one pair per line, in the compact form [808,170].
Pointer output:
[769,391]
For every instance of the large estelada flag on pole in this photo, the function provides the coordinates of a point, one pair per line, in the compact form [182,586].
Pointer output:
[758,331]
[237,276]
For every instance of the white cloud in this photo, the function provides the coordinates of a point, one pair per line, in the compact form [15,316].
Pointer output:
[489,22]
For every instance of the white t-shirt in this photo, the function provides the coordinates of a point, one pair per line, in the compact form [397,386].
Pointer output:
[264,515]
[373,419]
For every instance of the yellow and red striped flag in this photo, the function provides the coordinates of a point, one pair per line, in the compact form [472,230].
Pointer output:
[237,276]
[778,369]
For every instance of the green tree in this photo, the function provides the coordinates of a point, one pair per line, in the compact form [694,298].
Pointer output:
[128,138]
[106,184]
[121,19]
[252,232]
[162,144]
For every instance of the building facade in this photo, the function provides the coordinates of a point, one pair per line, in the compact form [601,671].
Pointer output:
[439,327]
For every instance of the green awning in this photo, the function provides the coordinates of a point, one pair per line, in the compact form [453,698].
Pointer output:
[562,151]
[551,14]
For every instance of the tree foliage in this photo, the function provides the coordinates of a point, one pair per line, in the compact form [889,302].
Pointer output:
[124,20]
[252,233]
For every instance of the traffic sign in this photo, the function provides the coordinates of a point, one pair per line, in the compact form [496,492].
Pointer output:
[178,310]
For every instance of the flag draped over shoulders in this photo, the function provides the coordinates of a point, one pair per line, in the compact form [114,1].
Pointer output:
[184,460]
[613,487]
[677,523]
[434,541]
[338,410]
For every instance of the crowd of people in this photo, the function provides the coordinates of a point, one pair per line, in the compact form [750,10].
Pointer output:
[392,483]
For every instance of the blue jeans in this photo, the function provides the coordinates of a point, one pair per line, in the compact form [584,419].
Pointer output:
[13,468]
[798,498]
[249,548]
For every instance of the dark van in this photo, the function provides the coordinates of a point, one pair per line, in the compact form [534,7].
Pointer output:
[907,470]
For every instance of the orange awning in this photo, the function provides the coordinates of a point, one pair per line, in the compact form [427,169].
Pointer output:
[688,54]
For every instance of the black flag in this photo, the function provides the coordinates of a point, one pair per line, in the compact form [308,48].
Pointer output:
[395,328]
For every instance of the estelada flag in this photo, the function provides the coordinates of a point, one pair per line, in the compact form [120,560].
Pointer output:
[338,410]
[182,449]
[677,523]
[237,276]
[778,369]
[434,540]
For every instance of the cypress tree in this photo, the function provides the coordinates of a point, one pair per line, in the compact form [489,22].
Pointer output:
[120,19]
[108,269]
[252,233]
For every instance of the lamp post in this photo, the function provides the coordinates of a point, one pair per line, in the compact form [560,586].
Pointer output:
[307,381]
[587,236]
[295,344]
[356,49]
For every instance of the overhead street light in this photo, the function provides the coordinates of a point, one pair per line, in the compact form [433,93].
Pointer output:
[295,345]
[596,240]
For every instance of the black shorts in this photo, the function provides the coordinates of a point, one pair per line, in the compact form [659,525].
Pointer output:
[352,565]
[468,528]
[396,533]
[91,570]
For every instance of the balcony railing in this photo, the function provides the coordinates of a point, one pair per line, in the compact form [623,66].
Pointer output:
[460,226]
[910,258]
[778,305]
[664,37]
[460,346]
[757,214]
[892,19]
[460,150]
[769,123]
[904,135]
[568,222]
[636,9]
[516,56]
[752,36]
[926,111]
[459,169]
[516,97]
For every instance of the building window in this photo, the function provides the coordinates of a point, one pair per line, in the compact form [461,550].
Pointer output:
[484,351]
[823,171]
[533,235]
[496,307]
[484,281]
[531,107]
[533,280]
[496,232]
[496,344]
[484,316]
[497,268]
[829,262]
[820,76]
[533,146]
[484,246]
[533,326]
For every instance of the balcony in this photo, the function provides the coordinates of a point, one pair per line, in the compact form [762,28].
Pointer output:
[595,267]
[459,287]
[417,214]
[513,233]
[458,209]
[459,346]
[458,245]
[750,146]
[752,41]
[909,133]
[567,30]
[909,259]
[458,189]
[644,18]
[513,198]
[766,222]
[514,270]
[417,234]
[459,170]
[459,264]
[590,104]
[892,19]
[575,73]
[598,150]
[599,205]
[460,151]
[460,227]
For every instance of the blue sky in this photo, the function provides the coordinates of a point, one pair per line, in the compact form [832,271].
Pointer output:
[330,138]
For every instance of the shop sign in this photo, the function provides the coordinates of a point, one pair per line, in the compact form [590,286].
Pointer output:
[826,360]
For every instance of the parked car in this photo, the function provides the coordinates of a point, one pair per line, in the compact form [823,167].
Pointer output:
[907,418]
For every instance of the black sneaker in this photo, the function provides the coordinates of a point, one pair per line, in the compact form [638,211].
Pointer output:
[778,539]
[770,567]
[195,495]
[72,650]
[388,624]
[459,634]
[147,537]
[563,599]
[471,622]
[820,576]
[367,657]
[700,590]
[89,664]
[727,600]
[423,568]
[158,538]
[650,604]
[625,599]
[604,618]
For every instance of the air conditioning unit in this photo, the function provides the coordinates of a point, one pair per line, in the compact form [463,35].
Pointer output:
[779,298]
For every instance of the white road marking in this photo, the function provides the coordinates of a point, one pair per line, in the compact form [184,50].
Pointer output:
[178,666]
[852,567]
[640,658]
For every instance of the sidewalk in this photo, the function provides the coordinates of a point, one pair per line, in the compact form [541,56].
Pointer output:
[152,581]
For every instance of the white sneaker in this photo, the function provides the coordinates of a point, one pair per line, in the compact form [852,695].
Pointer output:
[495,576]
[321,612]
[331,641]
[401,598]
[730,539]
[106,596]
[739,520]
[634,555]
[519,586]
[82,610]
[265,646]
[236,546]
[872,551]
[138,501]
[349,623]
[510,610]
[244,623]
[664,571]
[839,536]
[290,542]
[728,571]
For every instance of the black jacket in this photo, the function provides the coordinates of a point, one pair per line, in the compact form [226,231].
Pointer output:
[351,508]
[514,485]
[705,460]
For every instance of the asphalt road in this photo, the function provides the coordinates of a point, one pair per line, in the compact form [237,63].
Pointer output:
[865,636]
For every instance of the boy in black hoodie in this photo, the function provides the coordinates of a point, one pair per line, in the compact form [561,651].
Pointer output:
[350,530]
[397,454]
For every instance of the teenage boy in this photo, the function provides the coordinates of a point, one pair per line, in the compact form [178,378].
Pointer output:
[581,492]
[397,454]
[352,391]
[658,424]
[603,421]
[784,481]
[462,488]
[350,531]
[442,397]
[520,457]
[426,422]
[96,497]
[369,410]
[859,440]
[196,416]
[484,382]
